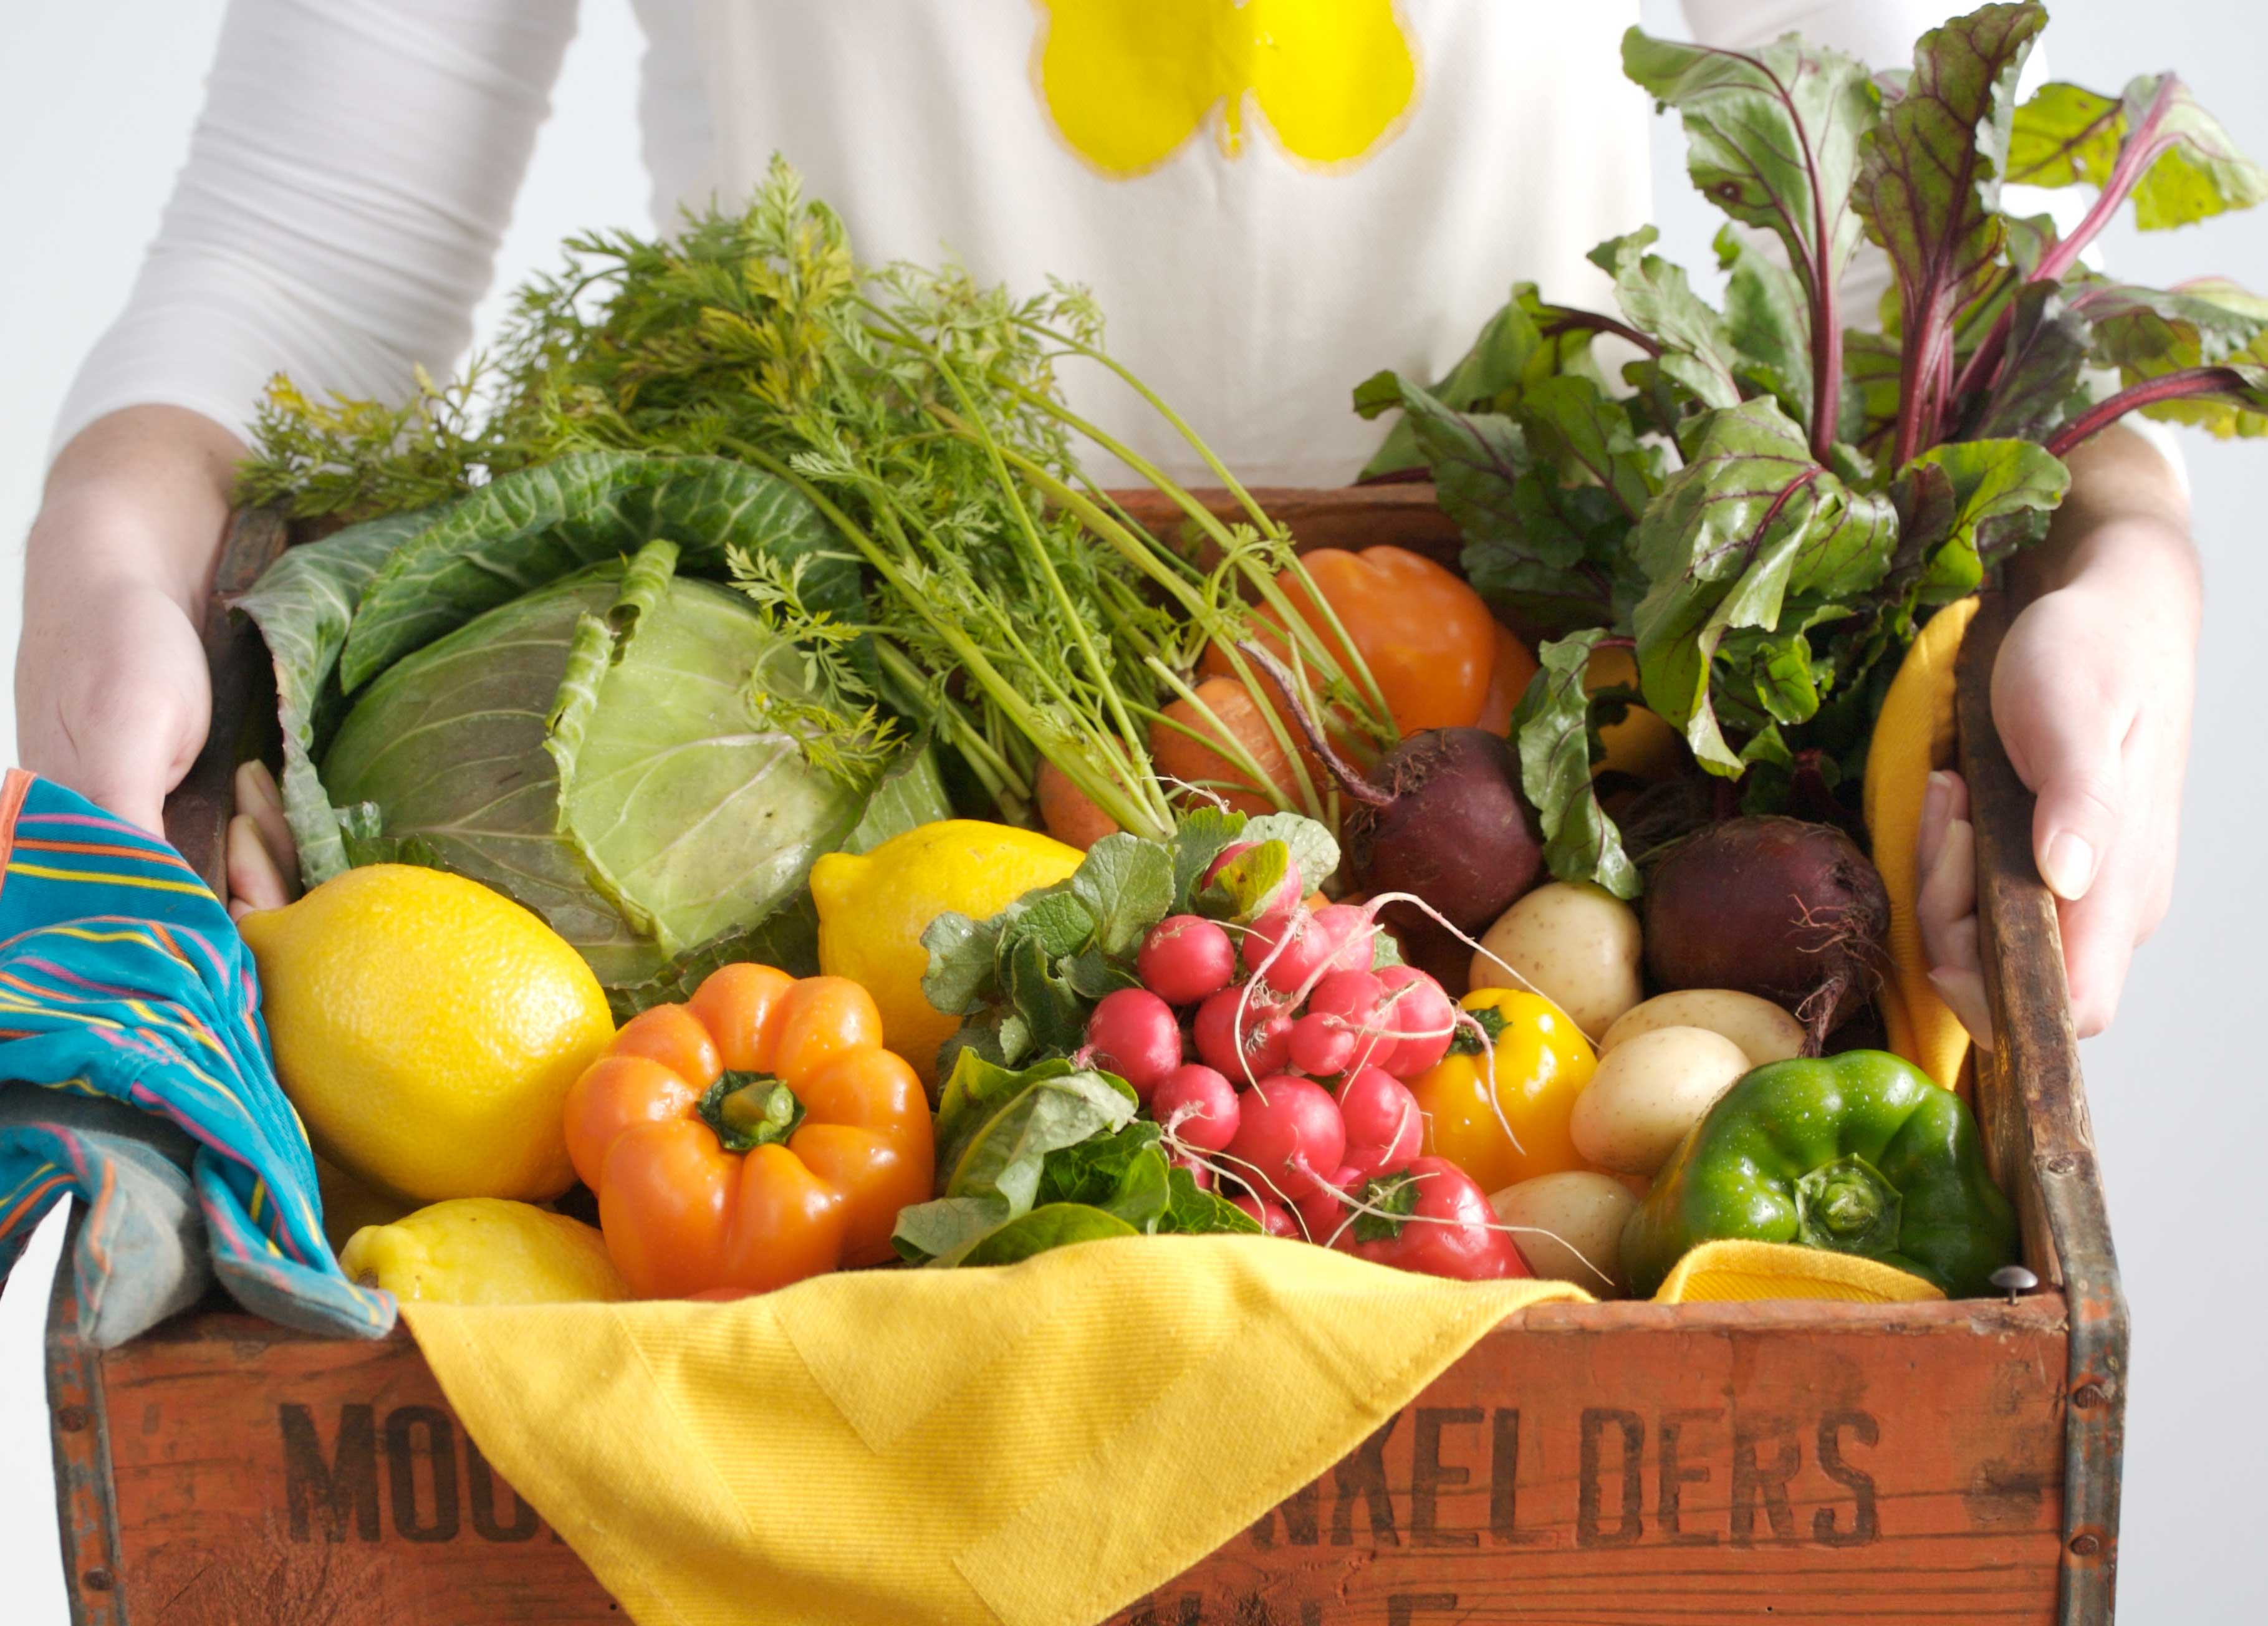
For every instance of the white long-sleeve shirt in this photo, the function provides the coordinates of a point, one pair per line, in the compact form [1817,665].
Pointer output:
[1270,198]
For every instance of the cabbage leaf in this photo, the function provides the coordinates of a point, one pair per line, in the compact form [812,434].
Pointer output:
[590,750]
[524,530]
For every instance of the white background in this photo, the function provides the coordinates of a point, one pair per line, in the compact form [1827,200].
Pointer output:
[96,101]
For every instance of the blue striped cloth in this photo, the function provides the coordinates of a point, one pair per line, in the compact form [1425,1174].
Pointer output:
[139,1078]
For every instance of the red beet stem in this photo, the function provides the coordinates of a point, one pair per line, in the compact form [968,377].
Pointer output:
[1350,778]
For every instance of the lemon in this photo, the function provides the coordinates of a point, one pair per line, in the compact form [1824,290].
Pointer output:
[428,1030]
[873,908]
[482,1250]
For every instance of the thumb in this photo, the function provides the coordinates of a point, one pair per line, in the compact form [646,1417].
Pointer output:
[2065,745]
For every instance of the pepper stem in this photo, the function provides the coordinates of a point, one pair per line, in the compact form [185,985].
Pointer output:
[748,1110]
[1848,1207]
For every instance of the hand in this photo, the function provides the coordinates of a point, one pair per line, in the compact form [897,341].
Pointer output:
[263,860]
[112,697]
[2091,694]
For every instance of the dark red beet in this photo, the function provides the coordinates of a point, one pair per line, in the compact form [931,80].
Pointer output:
[1779,907]
[1450,827]
[1439,816]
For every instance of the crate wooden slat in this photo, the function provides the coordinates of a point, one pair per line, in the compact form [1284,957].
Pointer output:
[1610,1465]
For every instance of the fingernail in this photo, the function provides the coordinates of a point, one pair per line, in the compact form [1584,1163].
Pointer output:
[1936,792]
[2069,865]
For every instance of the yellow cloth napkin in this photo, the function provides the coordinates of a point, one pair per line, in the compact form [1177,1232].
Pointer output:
[1036,1445]
[1717,1272]
[1914,735]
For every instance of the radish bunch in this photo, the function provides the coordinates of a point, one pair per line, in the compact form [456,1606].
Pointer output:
[1275,1053]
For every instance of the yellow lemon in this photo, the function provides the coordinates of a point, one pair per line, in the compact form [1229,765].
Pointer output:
[428,1029]
[484,1250]
[873,908]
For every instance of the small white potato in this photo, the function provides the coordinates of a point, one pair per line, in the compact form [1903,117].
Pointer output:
[1763,1029]
[1647,1091]
[1577,944]
[1569,1220]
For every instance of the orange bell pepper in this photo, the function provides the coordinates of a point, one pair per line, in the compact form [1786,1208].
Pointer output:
[755,1135]
[1426,637]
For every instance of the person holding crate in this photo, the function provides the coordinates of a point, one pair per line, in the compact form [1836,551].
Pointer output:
[1269,201]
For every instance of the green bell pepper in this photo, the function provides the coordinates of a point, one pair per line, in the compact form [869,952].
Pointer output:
[1858,1152]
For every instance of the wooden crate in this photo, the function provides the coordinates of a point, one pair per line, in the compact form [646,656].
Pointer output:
[1624,1463]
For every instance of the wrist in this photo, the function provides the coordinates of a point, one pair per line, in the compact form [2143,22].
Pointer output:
[139,497]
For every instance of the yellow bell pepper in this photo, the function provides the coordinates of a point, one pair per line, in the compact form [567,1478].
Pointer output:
[1542,1062]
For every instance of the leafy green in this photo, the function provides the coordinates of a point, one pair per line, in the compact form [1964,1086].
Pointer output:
[1045,1156]
[1749,525]
[1058,1224]
[2185,167]
[528,529]
[1928,185]
[1126,886]
[1026,980]
[303,605]
[909,793]
[788,937]
[1003,1151]
[1698,350]
[1553,726]
[1779,496]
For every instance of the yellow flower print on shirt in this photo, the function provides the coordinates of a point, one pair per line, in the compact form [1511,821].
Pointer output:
[1128,81]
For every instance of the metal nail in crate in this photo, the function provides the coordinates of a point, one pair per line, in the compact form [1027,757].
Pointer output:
[1611,1463]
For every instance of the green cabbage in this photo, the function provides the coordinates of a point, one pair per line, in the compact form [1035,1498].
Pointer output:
[543,702]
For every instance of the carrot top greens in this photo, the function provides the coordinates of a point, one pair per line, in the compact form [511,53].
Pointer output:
[1009,608]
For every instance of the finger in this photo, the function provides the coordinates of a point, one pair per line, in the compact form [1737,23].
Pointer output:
[1963,993]
[2099,934]
[253,877]
[1949,890]
[2068,751]
[256,794]
[1936,813]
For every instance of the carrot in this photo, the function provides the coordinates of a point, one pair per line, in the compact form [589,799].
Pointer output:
[1179,756]
[1068,813]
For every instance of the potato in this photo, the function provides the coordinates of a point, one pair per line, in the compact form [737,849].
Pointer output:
[1647,1091]
[1576,943]
[1763,1029]
[1583,1213]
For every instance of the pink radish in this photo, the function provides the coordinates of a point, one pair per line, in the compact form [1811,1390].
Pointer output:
[1384,1128]
[1352,930]
[1421,1012]
[1244,1032]
[1322,1044]
[1274,1220]
[1288,1131]
[1184,958]
[1133,1034]
[1285,948]
[1354,1000]
[1324,1210]
[1198,1107]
